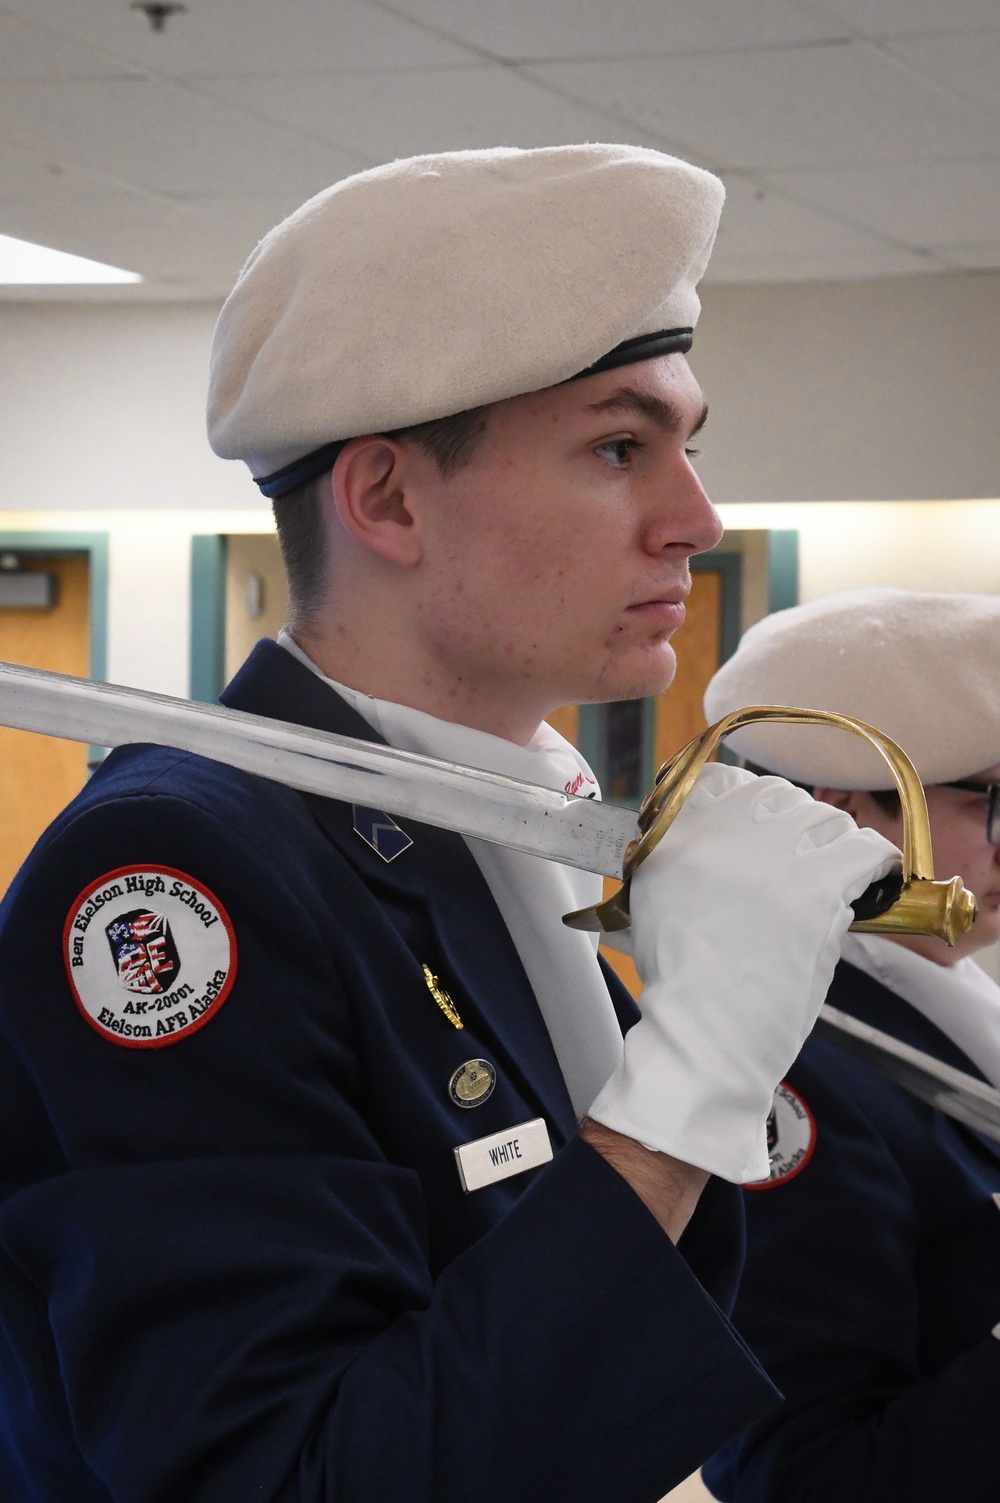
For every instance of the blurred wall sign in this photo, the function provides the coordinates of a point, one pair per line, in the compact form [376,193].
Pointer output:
[27,590]
[255,596]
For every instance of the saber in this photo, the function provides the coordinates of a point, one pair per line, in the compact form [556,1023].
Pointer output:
[543,822]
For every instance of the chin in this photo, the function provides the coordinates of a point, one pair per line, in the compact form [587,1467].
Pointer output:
[643,679]
[638,673]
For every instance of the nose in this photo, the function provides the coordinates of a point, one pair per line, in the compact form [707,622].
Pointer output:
[682,516]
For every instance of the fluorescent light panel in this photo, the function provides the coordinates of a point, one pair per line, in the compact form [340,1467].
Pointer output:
[23,264]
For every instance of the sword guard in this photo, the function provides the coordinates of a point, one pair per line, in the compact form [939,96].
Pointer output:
[910,902]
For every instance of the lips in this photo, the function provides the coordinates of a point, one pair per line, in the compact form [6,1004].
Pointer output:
[665,613]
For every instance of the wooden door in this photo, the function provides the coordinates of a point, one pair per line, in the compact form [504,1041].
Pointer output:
[39,774]
[256,594]
[678,711]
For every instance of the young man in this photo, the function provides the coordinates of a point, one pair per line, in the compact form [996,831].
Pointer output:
[245,1031]
[872,1290]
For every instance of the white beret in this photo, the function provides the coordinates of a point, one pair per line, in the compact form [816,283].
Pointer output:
[439,283]
[924,668]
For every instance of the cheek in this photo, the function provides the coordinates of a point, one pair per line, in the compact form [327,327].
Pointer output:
[961,850]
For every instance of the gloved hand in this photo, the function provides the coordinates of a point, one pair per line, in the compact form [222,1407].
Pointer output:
[738,917]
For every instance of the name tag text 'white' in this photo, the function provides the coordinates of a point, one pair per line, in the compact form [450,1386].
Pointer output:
[503,1154]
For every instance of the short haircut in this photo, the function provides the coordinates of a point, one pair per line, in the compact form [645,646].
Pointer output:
[298,514]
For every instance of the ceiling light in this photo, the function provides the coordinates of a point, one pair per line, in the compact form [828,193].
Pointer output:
[24,264]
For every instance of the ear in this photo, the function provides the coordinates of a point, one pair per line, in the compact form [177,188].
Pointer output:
[372,494]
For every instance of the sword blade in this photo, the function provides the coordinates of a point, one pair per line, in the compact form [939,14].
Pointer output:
[575,831]
[952,1091]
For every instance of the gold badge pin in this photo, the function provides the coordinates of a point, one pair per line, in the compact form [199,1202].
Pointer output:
[442,998]
[472,1083]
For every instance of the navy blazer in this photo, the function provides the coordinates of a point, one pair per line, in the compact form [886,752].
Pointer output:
[242,1267]
[871,1289]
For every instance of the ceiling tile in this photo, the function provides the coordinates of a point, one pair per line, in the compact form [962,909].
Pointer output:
[385,115]
[968,64]
[934,205]
[760,221]
[833,268]
[24,177]
[982,257]
[891,17]
[173,244]
[824,105]
[30,51]
[248,36]
[594,28]
[165,137]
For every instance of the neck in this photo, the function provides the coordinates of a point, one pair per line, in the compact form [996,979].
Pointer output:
[389,664]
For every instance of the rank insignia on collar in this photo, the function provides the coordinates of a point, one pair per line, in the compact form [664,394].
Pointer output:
[381,832]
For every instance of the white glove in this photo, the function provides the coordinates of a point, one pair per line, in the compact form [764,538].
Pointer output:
[738,917]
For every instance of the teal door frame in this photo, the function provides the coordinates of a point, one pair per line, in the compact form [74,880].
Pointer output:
[782,570]
[208,616]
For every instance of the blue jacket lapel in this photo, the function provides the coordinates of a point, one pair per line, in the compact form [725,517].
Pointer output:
[437,875]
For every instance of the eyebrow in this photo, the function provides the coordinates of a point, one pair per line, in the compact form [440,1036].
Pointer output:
[642,404]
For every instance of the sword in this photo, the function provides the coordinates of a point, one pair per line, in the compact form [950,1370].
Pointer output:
[543,822]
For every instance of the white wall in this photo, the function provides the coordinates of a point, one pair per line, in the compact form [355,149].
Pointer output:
[102,407]
[917,545]
[849,391]
[820,391]
[823,393]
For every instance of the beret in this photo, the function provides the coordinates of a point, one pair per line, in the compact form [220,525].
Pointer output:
[924,668]
[438,283]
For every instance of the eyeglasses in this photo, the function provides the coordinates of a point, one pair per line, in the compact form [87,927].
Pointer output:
[992,792]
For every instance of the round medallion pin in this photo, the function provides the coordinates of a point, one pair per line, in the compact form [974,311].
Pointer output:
[472,1083]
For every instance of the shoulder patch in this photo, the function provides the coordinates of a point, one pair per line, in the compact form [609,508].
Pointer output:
[150,954]
[791,1138]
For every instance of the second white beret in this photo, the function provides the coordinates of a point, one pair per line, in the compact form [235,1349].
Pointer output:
[923,667]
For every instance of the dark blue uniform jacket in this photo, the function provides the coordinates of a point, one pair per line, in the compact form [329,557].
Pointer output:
[871,1288]
[242,1268]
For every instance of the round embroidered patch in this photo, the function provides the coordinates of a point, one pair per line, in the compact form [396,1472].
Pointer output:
[150,954]
[791,1138]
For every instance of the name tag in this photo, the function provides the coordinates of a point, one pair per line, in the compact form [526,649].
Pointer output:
[503,1154]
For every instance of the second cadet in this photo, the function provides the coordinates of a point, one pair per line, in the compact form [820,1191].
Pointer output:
[872,1286]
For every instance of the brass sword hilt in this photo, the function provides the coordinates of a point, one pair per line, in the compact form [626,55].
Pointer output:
[911,902]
